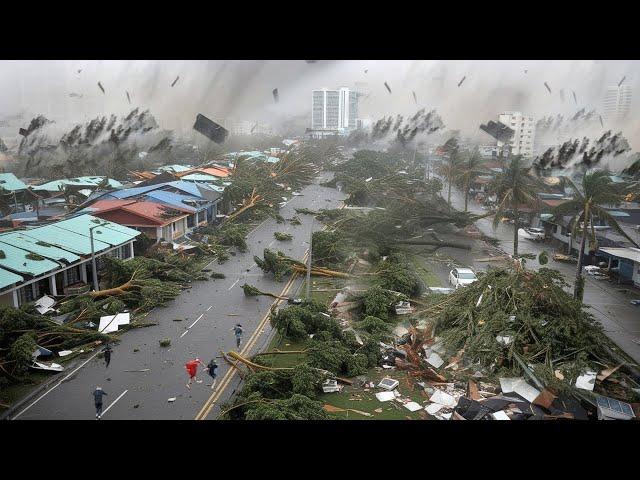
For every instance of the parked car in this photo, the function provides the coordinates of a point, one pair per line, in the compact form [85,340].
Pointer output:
[459,277]
[531,233]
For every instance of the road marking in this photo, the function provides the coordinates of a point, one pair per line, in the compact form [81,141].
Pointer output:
[197,320]
[210,306]
[271,243]
[231,372]
[56,385]
[184,333]
[114,402]
[208,405]
[234,284]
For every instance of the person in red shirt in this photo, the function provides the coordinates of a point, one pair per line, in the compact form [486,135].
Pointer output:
[192,370]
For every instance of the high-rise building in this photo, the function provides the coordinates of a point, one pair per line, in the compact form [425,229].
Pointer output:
[617,102]
[334,109]
[524,133]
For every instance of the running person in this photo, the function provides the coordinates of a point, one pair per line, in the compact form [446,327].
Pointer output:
[107,354]
[238,331]
[97,397]
[212,366]
[192,370]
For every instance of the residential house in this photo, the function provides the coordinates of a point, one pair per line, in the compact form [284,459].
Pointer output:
[55,259]
[156,220]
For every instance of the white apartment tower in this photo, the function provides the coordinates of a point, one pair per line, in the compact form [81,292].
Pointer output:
[522,141]
[617,102]
[334,109]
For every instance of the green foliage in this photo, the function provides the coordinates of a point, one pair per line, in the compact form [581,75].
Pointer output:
[295,220]
[543,258]
[21,352]
[274,262]
[374,326]
[165,342]
[296,322]
[329,248]
[377,302]
[34,256]
[283,237]
[549,324]
[396,273]
[297,407]
[216,275]
[2,254]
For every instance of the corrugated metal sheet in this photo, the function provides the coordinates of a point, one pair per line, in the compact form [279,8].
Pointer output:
[17,239]
[175,199]
[66,239]
[8,181]
[9,278]
[57,185]
[111,233]
[15,259]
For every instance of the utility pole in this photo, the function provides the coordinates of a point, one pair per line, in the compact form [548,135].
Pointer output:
[94,270]
[309,260]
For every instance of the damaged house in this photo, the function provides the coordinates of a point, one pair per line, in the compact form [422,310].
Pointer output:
[55,259]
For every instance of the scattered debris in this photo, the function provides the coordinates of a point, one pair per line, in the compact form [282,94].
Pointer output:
[548,87]
[276,96]
[175,81]
[387,87]
[210,129]
[385,396]
[388,383]
[460,82]
[587,381]
[101,87]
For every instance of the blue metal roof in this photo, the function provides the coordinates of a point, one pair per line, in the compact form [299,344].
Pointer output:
[177,200]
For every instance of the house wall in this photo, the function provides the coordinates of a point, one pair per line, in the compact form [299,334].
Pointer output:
[7,299]
[636,274]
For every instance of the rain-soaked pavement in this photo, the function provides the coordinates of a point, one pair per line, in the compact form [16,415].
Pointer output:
[208,312]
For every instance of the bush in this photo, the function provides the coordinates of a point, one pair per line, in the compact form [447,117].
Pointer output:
[21,352]
[395,273]
[377,302]
[374,326]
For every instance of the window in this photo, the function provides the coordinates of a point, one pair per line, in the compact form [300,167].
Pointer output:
[73,275]
[25,294]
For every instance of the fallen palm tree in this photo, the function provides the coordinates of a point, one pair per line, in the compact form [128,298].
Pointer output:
[251,291]
[281,265]
[254,366]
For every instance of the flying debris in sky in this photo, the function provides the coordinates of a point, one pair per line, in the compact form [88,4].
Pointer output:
[623,78]
[498,130]
[175,81]
[405,130]
[254,127]
[79,70]
[311,61]
[276,97]
[548,87]
[583,152]
[128,97]
[460,83]
[75,95]
[366,71]
[601,124]
[387,85]
[526,71]
[574,97]
[415,99]
[101,87]
[210,129]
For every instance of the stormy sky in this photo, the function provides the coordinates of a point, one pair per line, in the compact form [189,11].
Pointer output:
[242,89]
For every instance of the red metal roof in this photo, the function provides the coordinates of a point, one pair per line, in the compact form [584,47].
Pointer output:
[220,172]
[554,202]
[147,213]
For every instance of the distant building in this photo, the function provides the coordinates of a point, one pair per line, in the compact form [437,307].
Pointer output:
[617,102]
[334,109]
[522,141]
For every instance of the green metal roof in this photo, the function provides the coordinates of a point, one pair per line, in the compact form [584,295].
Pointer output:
[15,259]
[57,185]
[17,239]
[199,177]
[66,239]
[8,278]
[8,181]
[108,232]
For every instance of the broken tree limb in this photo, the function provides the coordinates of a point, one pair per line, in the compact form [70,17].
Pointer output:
[430,243]
[249,363]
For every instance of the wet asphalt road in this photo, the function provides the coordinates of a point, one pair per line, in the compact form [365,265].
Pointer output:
[208,312]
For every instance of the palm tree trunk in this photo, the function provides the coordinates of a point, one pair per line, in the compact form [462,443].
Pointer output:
[515,229]
[466,195]
[449,194]
[579,286]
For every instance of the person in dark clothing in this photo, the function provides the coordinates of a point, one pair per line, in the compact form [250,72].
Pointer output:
[107,354]
[238,330]
[212,366]
[97,396]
